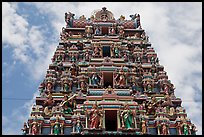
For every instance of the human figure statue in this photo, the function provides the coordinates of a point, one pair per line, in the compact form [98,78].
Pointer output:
[48,105]
[69,19]
[67,104]
[144,127]
[127,117]
[95,117]
[136,18]
[109,90]
[56,127]
[66,87]
[78,126]
[193,129]
[164,130]
[83,85]
[95,79]
[97,31]
[185,129]
[25,129]
[34,128]
[49,86]
[178,128]
[166,89]
[116,51]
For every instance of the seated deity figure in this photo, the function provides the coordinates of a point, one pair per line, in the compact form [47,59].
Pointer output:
[67,104]
[127,117]
[83,85]
[95,117]
[48,105]
[96,52]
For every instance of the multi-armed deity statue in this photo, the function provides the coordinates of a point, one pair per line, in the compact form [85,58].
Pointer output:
[105,79]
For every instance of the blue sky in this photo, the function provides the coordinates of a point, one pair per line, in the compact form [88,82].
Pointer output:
[30,35]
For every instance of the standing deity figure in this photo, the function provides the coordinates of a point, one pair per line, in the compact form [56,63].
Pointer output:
[193,129]
[178,128]
[97,31]
[144,127]
[56,127]
[127,117]
[185,129]
[34,127]
[25,129]
[95,117]
[116,51]
[164,130]
[78,126]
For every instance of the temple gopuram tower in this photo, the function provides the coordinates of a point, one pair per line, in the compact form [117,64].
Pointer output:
[105,79]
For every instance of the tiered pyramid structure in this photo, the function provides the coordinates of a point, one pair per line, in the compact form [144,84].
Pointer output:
[105,79]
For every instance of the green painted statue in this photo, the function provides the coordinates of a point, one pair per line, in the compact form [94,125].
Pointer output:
[56,130]
[185,129]
[127,117]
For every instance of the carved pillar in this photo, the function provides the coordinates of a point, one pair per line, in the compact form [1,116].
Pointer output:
[135,122]
[52,125]
[86,120]
[103,126]
[62,127]
[158,130]
[40,128]
[118,119]
[30,125]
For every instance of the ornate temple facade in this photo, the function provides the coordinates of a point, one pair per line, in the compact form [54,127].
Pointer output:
[105,79]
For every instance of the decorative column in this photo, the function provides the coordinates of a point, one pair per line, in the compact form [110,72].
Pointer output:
[52,124]
[118,119]
[62,128]
[40,128]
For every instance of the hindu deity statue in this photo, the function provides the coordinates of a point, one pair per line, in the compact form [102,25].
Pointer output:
[95,117]
[127,117]
[48,105]
[68,104]
[185,129]
[178,127]
[78,126]
[56,127]
[34,127]
[144,127]
[95,79]
[164,130]
[25,129]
